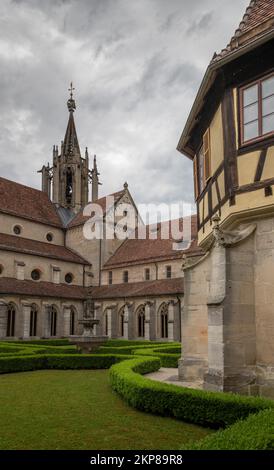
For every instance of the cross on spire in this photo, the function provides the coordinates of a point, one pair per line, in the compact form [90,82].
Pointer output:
[71,90]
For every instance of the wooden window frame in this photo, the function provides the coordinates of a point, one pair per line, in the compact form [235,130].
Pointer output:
[169,272]
[147,274]
[261,137]
[125,277]
[206,151]
[110,278]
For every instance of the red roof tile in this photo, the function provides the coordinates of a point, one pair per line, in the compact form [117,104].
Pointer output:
[140,251]
[80,219]
[33,247]
[139,289]
[41,289]
[257,20]
[26,202]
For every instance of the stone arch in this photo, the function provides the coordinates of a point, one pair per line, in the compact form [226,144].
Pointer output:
[12,311]
[140,320]
[72,320]
[53,319]
[106,326]
[33,319]
[121,322]
[163,320]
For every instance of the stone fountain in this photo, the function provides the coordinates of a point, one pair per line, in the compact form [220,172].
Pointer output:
[88,342]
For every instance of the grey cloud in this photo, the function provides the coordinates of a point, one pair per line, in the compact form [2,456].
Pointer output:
[136,70]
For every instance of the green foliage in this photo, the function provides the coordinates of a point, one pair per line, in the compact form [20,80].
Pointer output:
[254,433]
[36,362]
[167,359]
[212,409]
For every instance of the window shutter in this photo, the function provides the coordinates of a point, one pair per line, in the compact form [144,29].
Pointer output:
[207,156]
[195,172]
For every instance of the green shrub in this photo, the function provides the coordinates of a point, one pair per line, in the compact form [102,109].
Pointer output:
[41,342]
[35,362]
[212,409]
[254,433]
[167,360]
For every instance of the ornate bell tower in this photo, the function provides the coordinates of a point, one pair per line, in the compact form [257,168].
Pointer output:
[67,181]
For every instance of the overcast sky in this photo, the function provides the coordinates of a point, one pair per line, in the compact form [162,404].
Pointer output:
[136,66]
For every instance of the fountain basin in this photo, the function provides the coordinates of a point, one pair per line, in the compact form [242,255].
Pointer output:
[87,344]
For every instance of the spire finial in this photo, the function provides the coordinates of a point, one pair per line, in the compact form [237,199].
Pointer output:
[71,90]
[71,102]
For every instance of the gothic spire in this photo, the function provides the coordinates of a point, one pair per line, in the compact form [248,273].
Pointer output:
[71,146]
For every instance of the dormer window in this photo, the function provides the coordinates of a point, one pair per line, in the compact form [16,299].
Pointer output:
[257,110]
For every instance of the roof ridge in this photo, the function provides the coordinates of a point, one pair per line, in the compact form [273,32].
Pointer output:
[22,184]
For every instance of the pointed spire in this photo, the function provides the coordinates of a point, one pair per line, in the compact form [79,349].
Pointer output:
[95,180]
[71,145]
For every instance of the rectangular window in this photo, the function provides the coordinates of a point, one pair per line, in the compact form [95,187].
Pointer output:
[168,272]
[125,276]
[110,277]
[257,110]
[202,165]
[147,274]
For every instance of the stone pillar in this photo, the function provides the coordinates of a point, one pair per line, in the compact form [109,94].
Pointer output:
[3,319]
[131,320]
[193,364]
[147,321]
[231,317]
[46,321]
[98,329]
[109,320]
[126,318]
[66,319]
[26,308]
[171,307]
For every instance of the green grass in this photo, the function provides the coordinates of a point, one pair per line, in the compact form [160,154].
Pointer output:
[78,410]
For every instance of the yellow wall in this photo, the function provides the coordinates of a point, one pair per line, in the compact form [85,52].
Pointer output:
[246,203]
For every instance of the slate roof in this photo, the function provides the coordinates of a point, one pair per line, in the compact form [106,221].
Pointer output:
[33,247]
[29,203]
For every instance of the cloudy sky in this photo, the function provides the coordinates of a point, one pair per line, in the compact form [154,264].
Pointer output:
[136,66]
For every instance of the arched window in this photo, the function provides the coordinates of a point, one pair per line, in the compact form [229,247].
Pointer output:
[121,319]
[141,321]
[53,321]
[106,323]
[33,320]
[164,320]
[11,320]
[72,322]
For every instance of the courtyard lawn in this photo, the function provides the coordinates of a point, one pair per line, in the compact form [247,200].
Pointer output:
[78,410]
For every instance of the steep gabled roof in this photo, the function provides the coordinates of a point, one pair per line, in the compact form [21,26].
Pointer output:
[256,28]
[80,219]
[257,20]
[36,248]
[140,251]
[29,203]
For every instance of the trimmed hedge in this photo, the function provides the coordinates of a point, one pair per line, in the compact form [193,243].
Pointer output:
[40,342]
[167,359]
[254,433]
[57,361]
[211,409]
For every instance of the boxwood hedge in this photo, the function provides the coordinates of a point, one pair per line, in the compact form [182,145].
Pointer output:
[212,409]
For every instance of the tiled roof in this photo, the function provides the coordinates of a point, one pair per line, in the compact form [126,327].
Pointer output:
[41,289]
[257,20]
[139,289]
[140,251]
[80,219]
[33,247]
[26,202]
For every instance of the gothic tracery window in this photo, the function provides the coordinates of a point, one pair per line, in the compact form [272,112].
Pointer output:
[11,320]
[33,320]
[164,321]
[141,321]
